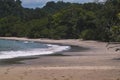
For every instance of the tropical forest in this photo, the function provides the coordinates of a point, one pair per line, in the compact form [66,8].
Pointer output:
[61,20]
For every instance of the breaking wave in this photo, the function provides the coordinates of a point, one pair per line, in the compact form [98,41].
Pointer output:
[51,49]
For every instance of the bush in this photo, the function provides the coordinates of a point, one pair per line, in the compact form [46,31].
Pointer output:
[88,34]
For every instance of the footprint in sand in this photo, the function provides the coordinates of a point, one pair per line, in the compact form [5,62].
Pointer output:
[55,79]
[67,79]
[62,76]
[8,70]
[23,75]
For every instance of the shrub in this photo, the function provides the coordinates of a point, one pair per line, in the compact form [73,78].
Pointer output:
[88,34]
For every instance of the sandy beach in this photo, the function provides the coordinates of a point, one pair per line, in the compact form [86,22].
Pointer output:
[97,62]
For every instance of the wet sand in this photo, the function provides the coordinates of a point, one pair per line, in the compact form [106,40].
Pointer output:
[96,63]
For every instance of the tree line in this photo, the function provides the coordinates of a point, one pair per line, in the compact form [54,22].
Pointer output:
[61,20]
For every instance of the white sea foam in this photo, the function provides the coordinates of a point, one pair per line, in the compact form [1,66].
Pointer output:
[26,41]
[33,52]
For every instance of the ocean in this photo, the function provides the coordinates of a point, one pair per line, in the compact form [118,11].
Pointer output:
[15,49]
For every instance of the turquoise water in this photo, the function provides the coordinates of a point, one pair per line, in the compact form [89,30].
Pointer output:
[13,49]
[7,45]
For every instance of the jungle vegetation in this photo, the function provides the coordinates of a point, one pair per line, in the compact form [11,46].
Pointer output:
[61,20]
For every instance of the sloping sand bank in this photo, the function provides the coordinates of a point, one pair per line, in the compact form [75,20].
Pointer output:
[96,63]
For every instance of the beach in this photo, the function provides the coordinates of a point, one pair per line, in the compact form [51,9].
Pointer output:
[95,62]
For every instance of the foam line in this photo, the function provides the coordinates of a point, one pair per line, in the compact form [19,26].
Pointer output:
[33,52]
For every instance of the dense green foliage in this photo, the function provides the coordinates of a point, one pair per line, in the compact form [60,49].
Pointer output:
[91,21]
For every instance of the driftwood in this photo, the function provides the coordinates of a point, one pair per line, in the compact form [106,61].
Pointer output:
[115,45]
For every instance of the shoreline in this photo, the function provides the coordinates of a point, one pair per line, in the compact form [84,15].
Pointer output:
[97,63]
[52,41]
[80,48]
[19,60]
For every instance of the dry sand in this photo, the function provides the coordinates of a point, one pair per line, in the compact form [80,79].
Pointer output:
[96,63]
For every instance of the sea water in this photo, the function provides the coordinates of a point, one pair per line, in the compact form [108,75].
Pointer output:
[14,49]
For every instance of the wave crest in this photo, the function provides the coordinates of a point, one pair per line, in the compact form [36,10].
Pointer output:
[33,52]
